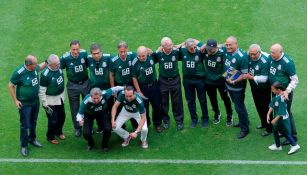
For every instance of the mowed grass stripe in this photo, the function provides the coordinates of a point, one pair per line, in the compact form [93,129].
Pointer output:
[154,161]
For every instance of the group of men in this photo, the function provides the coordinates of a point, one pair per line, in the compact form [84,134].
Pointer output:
[117,88]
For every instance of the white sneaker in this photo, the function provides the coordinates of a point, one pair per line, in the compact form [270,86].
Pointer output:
[275,148]
[145,144]
[293,149]
[126,141]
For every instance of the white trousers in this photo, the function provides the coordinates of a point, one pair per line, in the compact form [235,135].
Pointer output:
[124,116]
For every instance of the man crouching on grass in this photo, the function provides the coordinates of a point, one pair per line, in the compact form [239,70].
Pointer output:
[133,108]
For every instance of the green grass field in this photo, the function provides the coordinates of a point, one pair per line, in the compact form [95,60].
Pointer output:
[45,27]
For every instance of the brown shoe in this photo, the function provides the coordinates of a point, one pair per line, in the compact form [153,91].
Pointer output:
[62,137]
[53,141]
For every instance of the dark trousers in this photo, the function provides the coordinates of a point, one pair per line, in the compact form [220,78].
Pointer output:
[212,93]
[171,86]
[284,127]
[152,92]
[28,117]
[74,91]
[262,99]
[104,120]
[55,121]
[238,98]
[190,89]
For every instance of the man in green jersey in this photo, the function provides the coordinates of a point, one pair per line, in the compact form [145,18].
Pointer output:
[120,69]
[133,107]
[260,86]
[75,64]
[145,82]
[282,69]
[236,59]
[99,64]
[26,80]
[214,60]
[94,106]
[193,71]
[51,93]
[169,81]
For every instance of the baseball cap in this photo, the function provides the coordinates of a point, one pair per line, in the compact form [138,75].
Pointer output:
[211,43]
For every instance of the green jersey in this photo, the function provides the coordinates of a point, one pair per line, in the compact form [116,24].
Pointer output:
[122,69]
[53,81]
[279,106]
[136,105]
[281,70]
[27,83]
[89,108]
[144,71]
[259,68]
[192,64]
[238,61]
[76,68]
[168,64]
[215,66]
[99,71]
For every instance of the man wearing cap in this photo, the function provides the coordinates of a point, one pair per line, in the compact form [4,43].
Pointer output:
[282,69]
[260,86]
[214,60]
[193,71]
[236,60]
[169,81]
[145,82]
[75,63]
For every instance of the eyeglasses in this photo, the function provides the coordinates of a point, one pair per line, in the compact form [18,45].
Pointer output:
[253,54]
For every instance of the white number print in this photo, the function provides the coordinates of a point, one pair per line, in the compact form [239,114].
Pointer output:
[148,71]
[125,71]
[34,82]
[78,68]
[272,70]
[168,65]
[99,71]
[191,64]
[212,63]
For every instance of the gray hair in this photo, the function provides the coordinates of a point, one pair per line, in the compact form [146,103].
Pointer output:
[255,46]
[189,42]
[166,39]
[53,58]
[95,91]
[122,44]
[142,49]
[232,39]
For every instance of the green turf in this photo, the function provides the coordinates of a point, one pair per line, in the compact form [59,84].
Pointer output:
[45,27]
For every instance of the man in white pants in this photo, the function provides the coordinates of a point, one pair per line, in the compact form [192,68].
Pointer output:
[133,108]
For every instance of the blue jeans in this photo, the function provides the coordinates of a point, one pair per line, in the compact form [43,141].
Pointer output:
[238,98]
[190,89]
[28,117]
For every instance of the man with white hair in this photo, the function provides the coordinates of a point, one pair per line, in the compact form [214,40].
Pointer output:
[25,78]
[260,87]
[169,81]
[51,93]
[282,69]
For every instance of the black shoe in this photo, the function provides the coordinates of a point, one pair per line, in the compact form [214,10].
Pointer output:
[166,125]
[180,126]
[265,133]
[99,131]
[286,142]
[24,151]
[35,143]
[242,134]
[237,125]
[105,149]
[77,132]
[89,147]
[260,127]
[205,124]
[193,124]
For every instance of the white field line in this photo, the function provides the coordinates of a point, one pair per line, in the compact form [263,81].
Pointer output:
[153,161]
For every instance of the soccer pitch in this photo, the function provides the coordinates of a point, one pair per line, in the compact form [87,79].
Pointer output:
[45,27]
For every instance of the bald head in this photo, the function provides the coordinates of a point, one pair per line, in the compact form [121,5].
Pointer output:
[276,51]
[231,44]
[142,53]
[31,62]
